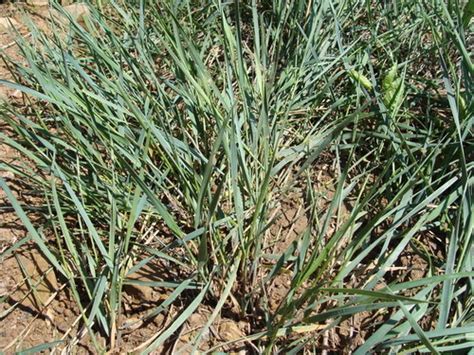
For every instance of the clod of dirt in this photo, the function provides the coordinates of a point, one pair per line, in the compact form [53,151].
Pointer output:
[141,294]
[8,24]
[230,330]
[38,2]
[78,11]
[42,280]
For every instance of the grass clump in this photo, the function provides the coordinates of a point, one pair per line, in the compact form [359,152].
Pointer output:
[172,135]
